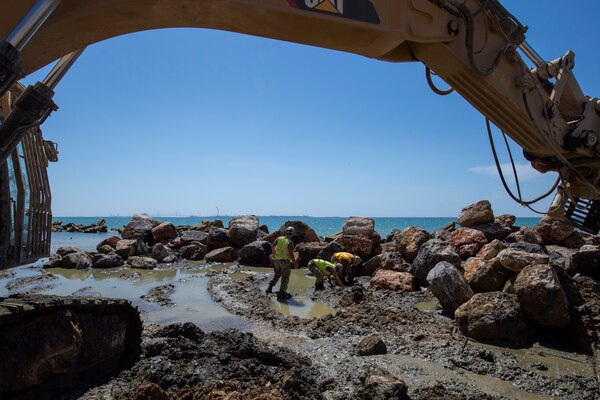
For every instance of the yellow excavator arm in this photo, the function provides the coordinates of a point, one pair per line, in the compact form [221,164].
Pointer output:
[475,46]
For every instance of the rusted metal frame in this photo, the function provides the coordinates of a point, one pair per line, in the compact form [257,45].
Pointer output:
[19,206]
[46,206]
[40,165]
[34,195]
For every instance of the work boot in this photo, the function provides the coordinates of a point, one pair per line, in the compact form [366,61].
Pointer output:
[269,289]
[283,295]
[319,286]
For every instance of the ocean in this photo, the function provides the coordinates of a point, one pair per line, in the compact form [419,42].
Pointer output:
[324,226]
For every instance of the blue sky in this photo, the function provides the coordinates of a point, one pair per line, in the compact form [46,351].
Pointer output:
[186,120]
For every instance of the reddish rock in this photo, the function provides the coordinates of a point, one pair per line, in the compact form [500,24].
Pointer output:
[358,245]
[467,242]
[471,266]
[528,235]
[552,231]
[388,260]
[506,220]
[243,230]
[308,251]
[222,255]
[491,249]
[140,227]
[111,241]
[475,214]
[164,232]
[142,262]
[392,280]
[410,240]
[80,260]
[468,250]
[490,277]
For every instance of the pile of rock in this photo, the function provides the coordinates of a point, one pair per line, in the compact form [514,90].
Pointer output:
[98,227]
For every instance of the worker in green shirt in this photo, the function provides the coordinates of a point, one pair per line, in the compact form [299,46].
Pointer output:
[324,269]
[283,260]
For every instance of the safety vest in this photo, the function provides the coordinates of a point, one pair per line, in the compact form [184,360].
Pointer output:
[343,257]
[322,266]
[281,248]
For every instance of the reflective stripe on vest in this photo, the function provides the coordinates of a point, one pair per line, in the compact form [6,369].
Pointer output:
[281,248]
[322,266]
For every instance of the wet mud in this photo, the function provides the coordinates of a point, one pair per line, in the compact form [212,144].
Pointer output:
[308,347]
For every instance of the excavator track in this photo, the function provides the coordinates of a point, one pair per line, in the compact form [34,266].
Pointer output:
[50,343]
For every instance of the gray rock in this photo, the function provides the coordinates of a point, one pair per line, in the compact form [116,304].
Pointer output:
[506,220]
[105,249]
[142,262]
[476,214]
[256,254]
[516,259]
[243,231]
[490,277]
[194,252]
[493,316]
[370,346]
[330,250]
[493,230]
[130,247]
[160,252]
[387,260]
[306,252]
[449,286]
[55,261]
[140,227]
[187,237]
[217,238]
[542,297]
[430,254]
[586,261]
[222,255]
[107,261]
[81,260]
[528,247]
[65,250]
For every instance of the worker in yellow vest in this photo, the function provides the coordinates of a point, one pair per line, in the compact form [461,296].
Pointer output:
[324,269]
[283,260]
[349,262]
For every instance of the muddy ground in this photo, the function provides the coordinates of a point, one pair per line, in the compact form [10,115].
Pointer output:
[286,357]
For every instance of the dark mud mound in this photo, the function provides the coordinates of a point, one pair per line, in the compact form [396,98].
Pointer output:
[180,361]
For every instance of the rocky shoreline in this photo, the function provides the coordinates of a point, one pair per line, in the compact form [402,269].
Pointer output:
[495,283]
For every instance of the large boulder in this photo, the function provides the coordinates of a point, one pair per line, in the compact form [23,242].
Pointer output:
[387,260]
[449,286]
[515,259]
[410,240]
[471,266]
[65,250]
[586,261]
[222,255]
[111,241]
[160,252]
[307,251]
[467,242]
[490,277]
[553,231]
[131,247]
[302,233]
[491,249]
[187,237]
[164,232]
[107,261]
[194,252]
[392,280]
[526,234]
[542,297]
[476,214]
[140,227]
[142,262]
[330,250]
[493,316]
[431,253]
[217,238]
[79,260]
[359,237]
[55,261]
[256,254]
[243,230]
[507,220]
[493,231]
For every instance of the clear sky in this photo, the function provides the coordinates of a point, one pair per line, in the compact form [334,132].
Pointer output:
[186,120]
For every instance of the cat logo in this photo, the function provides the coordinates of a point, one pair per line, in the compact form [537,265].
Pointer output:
[360,10]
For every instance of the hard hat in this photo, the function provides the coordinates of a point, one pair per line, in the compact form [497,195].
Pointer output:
[290,229]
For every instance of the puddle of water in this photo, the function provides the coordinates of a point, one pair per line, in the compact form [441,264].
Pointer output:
[427,306]
[191,297]
[300,287]
[559,363]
